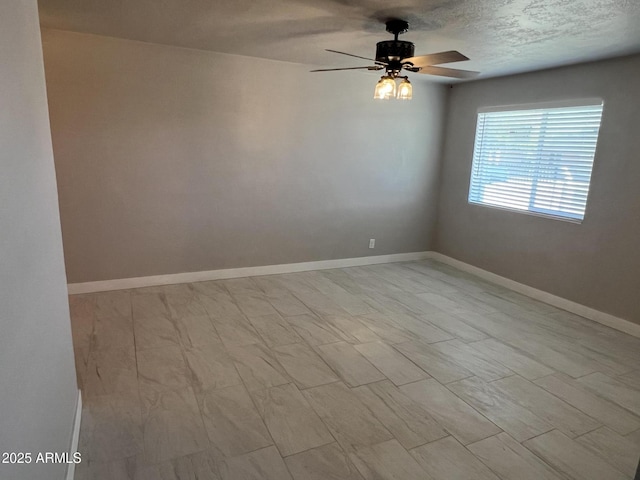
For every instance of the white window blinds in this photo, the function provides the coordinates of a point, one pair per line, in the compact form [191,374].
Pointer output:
[536,160]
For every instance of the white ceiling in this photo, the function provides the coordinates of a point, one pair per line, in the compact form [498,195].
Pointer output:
[500,36]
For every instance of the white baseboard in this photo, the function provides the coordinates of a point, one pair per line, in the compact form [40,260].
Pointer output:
[174,278]
[75,437]
[592,314]
[170,279]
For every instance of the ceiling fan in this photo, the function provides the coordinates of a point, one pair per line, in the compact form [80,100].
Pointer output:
[395,55]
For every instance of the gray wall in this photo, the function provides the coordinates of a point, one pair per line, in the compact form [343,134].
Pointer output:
[176,160]
[37,382]
[596,263]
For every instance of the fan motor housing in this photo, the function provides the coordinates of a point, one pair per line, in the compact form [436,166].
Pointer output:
[394,50]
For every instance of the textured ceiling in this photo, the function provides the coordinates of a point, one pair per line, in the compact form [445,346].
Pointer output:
[500,36]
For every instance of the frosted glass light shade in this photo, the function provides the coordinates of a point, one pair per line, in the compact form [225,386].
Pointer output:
[405,90]
[385,88]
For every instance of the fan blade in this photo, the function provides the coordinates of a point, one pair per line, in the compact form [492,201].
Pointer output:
[436,58]
[356,56]
[373,67]
[448,72]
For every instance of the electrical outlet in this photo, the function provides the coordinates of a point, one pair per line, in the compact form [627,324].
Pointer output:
[372,243]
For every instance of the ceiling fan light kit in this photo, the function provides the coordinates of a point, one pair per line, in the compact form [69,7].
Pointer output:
[396,55]
[386,88]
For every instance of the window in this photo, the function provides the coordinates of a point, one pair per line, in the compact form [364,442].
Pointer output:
[536,159]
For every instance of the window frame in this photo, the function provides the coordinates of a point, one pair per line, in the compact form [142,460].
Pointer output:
[583,102]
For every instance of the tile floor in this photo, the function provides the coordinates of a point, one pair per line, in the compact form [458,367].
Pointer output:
[399,371]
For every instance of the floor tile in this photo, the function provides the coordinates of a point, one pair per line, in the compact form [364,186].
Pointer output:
[387,461]
[293,424]
[614,390]
[109,371]
[632,379]
[172,377]
[458,418]
[514,419]
[412,301]
[341,278]
[395,366]
[235,330]
[111,427]
[148,305]
[211,367]
[195,331]
[274,330]
[232,422]
[352,367]
[295,283]
[508,331]
[241,286]
[203,465]
[287,305]
[258,367]
[341,297]
[527,302]
[321,283]
[455,326]
[320,304]
[265,464]
[634,437]
[423,329]
[350,329]
[197,466]
[183,302]
[220,305]
[601,409]
[561,415]
[392,276]
[571,458]
[111,332]
[350,303]
[446,459]
[172,423]
[383,325]
[409,423]
[314,330]
[304,366]
[410,327]
[511,358]
[460,302]
[154,332]
[435,363]
[208,288]
[328,462]
[348,419]
[254,305]
[614,449]
[271,285]
[511,461]
[165,366]
[83,317]
[115,470]
[429,284]
[564,353]
[113,304]
[474,361]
